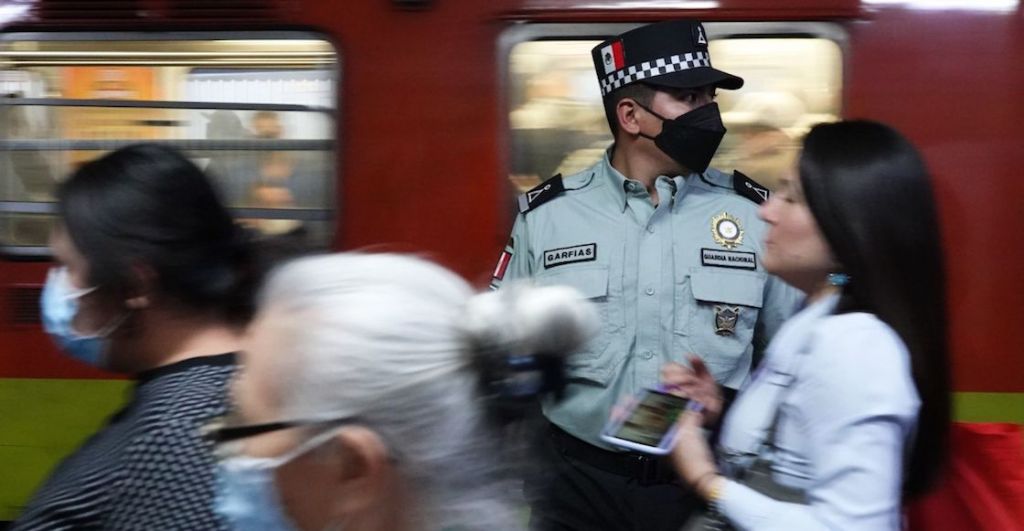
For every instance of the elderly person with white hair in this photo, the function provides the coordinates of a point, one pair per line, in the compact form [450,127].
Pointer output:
[369,394]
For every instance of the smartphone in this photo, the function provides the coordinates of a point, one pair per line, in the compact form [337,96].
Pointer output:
[649,425]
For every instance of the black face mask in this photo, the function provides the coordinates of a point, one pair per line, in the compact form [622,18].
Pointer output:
[690,139]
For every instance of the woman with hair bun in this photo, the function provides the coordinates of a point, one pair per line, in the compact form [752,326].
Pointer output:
[155,281]
[370,392]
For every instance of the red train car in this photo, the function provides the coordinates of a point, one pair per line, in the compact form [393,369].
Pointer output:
[410,125]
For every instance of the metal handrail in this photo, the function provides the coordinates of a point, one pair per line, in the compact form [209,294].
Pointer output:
[192,145]
[146,104]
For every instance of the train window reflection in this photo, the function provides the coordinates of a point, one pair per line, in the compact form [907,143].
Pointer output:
[558,126]
[257,113]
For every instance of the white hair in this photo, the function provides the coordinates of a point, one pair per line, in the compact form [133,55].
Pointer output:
[396,340]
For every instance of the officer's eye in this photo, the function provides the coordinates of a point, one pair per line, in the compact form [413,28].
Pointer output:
[685,96]
[693,96]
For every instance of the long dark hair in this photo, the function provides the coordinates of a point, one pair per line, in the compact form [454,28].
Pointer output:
[148,204]
[870,192]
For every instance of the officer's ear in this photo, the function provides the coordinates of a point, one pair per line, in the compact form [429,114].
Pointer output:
[627,114]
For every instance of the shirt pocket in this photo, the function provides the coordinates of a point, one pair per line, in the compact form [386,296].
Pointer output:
[598,358]
[721,310]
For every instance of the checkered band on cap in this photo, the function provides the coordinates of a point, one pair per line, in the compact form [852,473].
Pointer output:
[657,67]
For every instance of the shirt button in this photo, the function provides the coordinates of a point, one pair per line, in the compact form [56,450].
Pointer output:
[647,355]
[650,291]
[650,230]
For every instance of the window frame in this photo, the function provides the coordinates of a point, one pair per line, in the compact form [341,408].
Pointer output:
[556,31]
[328,213]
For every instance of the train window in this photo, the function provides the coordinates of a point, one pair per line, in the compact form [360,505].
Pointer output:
[793,74]
[256,110]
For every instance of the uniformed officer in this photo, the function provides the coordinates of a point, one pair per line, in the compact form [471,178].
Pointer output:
[667,249]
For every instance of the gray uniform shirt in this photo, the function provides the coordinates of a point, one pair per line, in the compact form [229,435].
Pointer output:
[681,277]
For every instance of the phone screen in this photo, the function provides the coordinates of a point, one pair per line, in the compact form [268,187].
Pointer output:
[652,418]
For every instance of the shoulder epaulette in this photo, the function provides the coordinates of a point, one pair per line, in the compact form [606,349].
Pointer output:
[749,188]
[542,193]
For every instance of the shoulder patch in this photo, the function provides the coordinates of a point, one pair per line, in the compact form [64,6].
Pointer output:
[541,194]
[749,188]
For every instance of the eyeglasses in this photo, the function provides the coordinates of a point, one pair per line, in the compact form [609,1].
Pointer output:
[225,434]
[221,430]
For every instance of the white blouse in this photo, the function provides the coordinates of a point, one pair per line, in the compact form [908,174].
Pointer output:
[848,412]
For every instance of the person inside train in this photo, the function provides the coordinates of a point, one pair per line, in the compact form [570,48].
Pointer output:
[848,414]
[373,390]
[283,179]
[155,281]
[230,171]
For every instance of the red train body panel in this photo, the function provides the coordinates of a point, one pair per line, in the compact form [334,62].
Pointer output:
[423,140]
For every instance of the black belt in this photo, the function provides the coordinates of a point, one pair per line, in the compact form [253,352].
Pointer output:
[647,469]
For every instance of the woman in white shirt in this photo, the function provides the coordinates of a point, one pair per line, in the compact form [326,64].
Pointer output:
[848,413]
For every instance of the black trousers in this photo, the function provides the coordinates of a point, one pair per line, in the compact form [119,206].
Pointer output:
[569,494]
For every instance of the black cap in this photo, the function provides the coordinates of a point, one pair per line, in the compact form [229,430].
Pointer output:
[670,54]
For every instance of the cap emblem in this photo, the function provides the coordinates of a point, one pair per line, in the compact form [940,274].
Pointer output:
[698,36]
[613,57]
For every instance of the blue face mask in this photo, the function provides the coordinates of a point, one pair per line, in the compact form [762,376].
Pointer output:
[247,495]
[59,305]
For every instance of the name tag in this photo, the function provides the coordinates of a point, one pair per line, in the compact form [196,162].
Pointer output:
[732,259]
[570,255]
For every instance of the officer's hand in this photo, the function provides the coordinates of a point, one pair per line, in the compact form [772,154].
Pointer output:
[695,384]
[691,455]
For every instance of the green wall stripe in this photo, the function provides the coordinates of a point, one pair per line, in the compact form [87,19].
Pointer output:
[989,407]
[43,420]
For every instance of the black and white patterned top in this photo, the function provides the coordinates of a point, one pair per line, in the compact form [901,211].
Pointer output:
[149,468]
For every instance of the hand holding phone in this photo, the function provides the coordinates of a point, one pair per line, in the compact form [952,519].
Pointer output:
[697,383]
[648,423]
